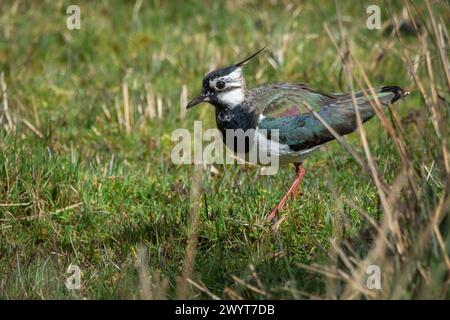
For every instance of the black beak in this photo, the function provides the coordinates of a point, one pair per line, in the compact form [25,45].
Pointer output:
[198,99]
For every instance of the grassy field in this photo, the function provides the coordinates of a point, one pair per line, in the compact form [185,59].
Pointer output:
[86,176]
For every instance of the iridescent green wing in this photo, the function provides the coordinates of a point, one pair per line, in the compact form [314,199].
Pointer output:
[282,108]
[288,99]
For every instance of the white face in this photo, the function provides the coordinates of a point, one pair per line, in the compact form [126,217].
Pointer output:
[233,97]
[233,94]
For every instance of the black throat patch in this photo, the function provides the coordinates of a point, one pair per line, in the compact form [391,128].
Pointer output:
[234,119]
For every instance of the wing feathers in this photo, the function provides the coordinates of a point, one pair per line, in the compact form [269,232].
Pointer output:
[283,108]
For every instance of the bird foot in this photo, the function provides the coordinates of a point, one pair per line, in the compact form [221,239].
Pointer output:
[293,190]
[277,209]
[274,213]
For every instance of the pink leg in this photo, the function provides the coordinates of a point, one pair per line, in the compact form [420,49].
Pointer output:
[300,173]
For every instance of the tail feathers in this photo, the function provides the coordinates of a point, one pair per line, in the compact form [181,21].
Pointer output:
[397,91]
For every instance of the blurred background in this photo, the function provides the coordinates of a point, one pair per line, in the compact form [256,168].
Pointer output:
[86,177]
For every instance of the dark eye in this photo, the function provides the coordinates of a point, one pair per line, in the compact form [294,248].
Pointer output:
[220,84]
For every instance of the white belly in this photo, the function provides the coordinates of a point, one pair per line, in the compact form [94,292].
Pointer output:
[273,149]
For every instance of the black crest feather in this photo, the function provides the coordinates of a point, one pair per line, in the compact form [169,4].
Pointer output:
[243,62]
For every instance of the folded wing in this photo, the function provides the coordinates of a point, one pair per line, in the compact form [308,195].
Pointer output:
[282,107]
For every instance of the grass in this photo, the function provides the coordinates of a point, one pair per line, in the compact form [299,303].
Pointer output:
[86,118]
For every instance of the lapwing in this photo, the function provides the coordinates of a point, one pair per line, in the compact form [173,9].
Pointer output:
[287,108]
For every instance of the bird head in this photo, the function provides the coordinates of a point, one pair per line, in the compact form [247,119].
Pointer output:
[224,86]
